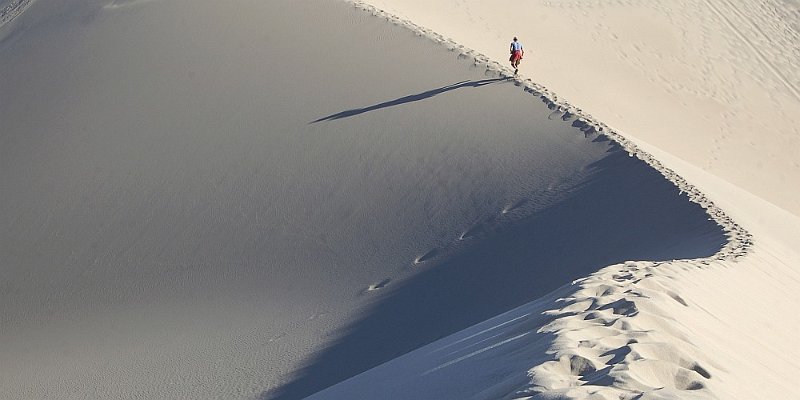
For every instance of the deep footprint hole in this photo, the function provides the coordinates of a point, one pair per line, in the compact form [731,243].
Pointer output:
[702,371]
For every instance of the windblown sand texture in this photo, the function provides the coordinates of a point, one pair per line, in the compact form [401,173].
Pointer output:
[280,199]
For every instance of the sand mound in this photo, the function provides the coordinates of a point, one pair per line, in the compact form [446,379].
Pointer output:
[612,336]
[204,202]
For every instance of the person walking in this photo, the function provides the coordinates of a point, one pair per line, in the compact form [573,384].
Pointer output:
[516,54]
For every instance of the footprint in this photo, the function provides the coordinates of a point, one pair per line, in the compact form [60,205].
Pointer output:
[700,370]
[475,230]
[617,355]
[677,298]
[427,256]
[579,123]
[580,366]
[622,307]
[380,285]
[622,277]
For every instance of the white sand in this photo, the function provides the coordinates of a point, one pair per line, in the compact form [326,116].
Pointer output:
[192,207]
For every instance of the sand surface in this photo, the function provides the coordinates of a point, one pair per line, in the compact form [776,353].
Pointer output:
[714,82]
[707,91]
[276,199]
[193,207]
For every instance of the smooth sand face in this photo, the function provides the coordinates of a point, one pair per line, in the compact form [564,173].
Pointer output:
[198,198]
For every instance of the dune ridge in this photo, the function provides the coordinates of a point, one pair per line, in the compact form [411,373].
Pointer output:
[739,239]
[197,210]
[725,70]
[631,330]
[575,316]
[611,334]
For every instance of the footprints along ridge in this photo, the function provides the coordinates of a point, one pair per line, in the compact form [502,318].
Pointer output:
[379,285]
[427,256]
[486,226]
[614,335]
[588,356]
[740,240]
[490,224]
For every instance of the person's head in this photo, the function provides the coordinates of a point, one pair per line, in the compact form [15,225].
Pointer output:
[515,38]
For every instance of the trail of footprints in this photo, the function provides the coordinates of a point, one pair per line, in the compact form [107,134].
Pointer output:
[610,334]
[615,337]
[739,239]
[479,229]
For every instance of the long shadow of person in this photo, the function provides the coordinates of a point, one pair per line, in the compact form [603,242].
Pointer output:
[409,99]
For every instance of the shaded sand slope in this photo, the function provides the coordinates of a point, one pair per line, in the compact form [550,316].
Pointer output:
[712,328]
[621,211]
[197,199]
[608,336]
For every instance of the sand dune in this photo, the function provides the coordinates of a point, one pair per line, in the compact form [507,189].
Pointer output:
[712,82]
[193,207]
[270,199]
[735,320]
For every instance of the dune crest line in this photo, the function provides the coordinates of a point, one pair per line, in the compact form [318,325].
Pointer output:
[185,229]
[617,300]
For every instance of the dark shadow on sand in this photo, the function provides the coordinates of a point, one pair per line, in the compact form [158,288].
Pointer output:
[409,99]
[624,211]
